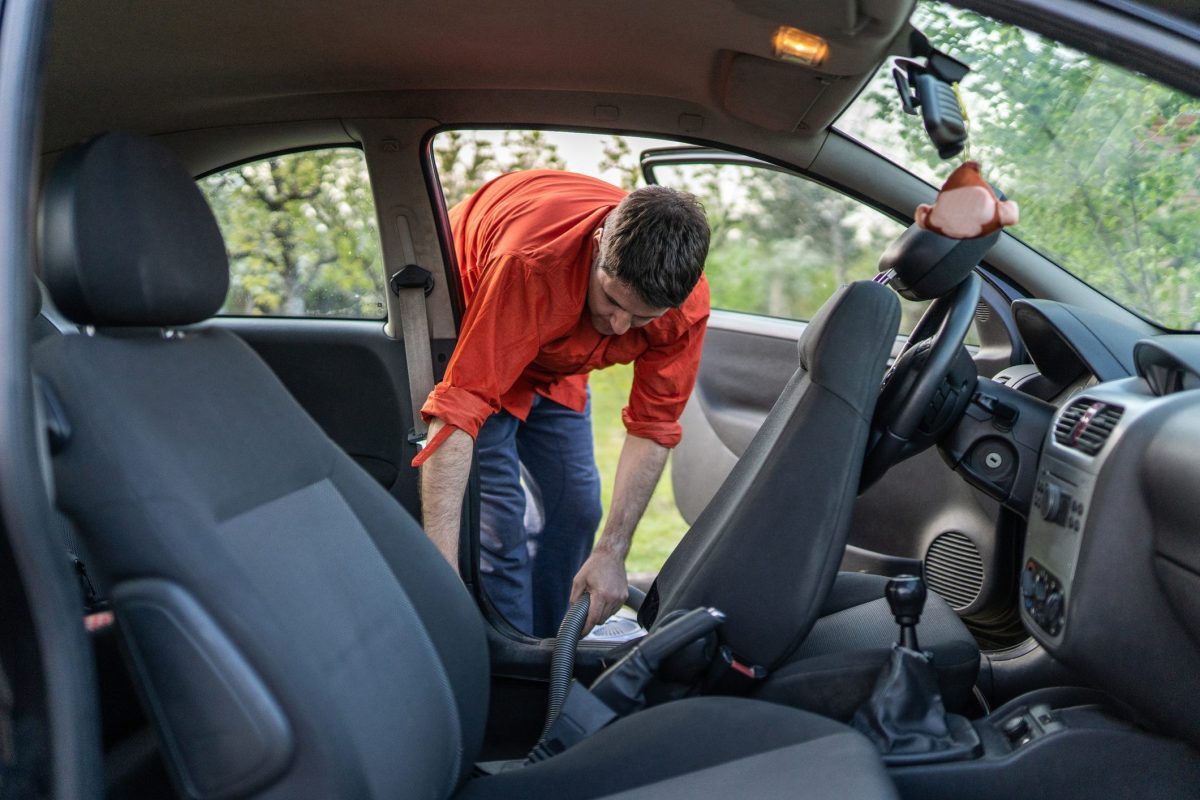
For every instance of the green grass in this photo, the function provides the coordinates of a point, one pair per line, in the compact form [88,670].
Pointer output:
[661,527]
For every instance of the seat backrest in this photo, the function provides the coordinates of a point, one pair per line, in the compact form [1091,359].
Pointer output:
[290,627]
[766,548]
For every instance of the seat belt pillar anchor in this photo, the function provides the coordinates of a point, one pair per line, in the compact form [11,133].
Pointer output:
[411,277]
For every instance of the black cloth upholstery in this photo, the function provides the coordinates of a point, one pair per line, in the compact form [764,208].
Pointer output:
[215,482]
[834,670]
[766,548]
[127,238]
[191,464]
[293,632]
[703,747]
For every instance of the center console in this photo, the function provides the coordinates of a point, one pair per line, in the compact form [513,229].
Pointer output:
[1083,433]
[1080,545]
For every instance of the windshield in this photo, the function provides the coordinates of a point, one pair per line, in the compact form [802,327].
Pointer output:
[1101,160]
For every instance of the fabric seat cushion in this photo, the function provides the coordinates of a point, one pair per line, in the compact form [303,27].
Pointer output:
[703,747]
[834,670]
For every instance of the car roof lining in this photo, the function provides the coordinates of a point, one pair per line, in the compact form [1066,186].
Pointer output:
[225,63]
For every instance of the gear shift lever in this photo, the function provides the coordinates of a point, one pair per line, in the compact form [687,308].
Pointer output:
[906,597]
[904,715]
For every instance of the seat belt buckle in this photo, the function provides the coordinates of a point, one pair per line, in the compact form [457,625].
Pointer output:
[729,676]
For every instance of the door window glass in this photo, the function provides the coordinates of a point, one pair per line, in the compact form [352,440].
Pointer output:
[301,234]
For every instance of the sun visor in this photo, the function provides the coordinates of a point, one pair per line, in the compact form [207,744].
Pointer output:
[779,96]
[928,265]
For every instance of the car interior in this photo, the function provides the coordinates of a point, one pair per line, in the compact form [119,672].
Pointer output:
[938,519]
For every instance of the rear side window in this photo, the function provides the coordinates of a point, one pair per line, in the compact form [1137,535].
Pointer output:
[301,233]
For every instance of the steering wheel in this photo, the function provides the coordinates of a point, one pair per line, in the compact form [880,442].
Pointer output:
[928,385]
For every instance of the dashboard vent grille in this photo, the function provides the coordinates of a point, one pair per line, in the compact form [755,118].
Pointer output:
[1086,425]
[954,569]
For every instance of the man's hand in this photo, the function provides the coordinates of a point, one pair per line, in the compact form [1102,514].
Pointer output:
[603,574]
[603,577]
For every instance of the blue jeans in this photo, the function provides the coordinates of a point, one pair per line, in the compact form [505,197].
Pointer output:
[528,559]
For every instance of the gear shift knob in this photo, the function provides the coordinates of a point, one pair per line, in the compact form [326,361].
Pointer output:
[906,597]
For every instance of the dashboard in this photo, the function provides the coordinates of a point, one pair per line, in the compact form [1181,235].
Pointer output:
[1110,573]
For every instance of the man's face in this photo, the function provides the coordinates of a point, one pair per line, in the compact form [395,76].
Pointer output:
[614,305]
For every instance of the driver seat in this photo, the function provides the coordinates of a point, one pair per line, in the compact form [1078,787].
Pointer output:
[766,549]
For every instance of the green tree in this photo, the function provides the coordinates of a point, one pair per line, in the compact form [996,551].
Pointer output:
[1101,160]
[781,244]
[301,234]
[619,157]
[530,149]
[465,161]
[468,159]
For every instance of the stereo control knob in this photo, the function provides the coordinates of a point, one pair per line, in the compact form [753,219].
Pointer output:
[1051,501]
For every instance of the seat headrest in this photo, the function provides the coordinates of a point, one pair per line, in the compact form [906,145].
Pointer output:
[857,320]
[126,237]
[928,265]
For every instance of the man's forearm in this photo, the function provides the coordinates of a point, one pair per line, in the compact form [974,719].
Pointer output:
[443,482]
[638,470]
[603,574]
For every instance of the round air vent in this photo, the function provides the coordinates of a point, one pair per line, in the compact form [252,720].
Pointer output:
[954,569]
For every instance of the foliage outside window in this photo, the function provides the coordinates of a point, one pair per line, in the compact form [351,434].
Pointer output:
[301,234]
[468,159]
[781,245]
[1102,161]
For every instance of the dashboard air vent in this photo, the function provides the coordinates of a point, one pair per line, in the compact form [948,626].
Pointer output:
[954,569]
[1086,425]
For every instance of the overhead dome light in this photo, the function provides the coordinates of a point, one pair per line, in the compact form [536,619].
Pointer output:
[793,44]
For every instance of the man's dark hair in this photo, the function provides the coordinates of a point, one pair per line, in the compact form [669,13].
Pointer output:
[656,241]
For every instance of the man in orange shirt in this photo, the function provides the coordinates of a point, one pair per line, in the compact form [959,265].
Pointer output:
[562,274]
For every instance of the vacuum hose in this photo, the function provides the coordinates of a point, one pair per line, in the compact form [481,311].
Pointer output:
[562,665]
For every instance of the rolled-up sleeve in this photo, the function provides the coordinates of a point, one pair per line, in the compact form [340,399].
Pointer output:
[499,338]
[663,378]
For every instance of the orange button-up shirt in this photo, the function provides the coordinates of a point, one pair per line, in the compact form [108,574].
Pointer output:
[525,247]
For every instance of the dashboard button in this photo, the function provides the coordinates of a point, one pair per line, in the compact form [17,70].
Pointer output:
[1054,607]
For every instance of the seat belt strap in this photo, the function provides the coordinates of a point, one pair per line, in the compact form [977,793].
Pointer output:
[412,285]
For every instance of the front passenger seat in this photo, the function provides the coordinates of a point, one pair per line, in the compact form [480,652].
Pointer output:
[767,546]
[293,632]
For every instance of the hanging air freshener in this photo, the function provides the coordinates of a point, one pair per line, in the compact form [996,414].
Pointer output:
[966,207]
